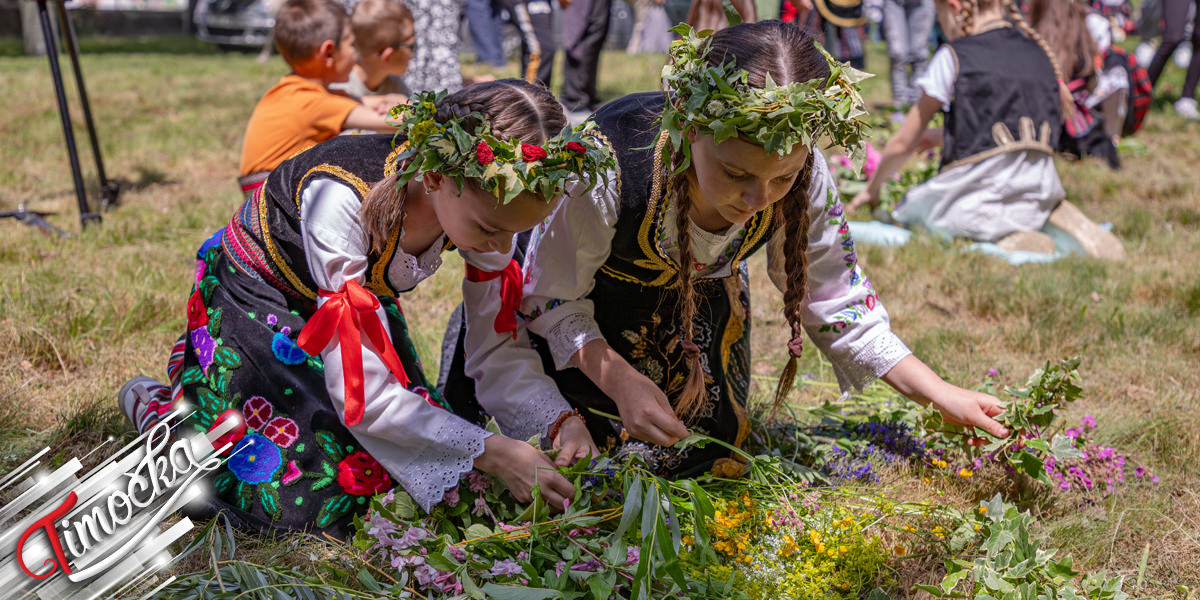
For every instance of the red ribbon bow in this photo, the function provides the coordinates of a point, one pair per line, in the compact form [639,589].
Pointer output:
[510,293]
[351,313]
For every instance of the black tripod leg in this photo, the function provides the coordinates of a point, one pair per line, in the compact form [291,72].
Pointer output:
[64,113]
[108,190]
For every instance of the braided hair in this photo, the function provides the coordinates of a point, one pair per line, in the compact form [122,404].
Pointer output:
[787,54]
[512,107]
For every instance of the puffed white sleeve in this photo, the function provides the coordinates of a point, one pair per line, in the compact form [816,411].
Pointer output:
[564,256]
[509,381]
[842,312]
[425,448]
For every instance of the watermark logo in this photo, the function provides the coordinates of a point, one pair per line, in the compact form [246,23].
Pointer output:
[77,538]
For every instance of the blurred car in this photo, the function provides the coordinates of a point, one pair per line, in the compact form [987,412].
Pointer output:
[233,24]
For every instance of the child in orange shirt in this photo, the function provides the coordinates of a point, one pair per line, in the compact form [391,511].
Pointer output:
[315,39]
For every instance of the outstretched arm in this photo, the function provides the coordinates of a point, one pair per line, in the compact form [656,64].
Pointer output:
[898,149]
[958,406]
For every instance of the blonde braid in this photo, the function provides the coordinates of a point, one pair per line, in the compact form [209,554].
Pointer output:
[968,16]
[693,396]
[1064,93]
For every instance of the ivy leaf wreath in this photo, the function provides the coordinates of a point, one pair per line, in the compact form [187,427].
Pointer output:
[719,101]
[504,167]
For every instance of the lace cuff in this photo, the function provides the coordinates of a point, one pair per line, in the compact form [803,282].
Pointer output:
[870,362]
[572,331]
[438,466]
[539,410]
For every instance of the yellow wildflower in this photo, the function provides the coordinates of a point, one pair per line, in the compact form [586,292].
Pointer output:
[965,472]
[977,527]
[983,510]
[899,550]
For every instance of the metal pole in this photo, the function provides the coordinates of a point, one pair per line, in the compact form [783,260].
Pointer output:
[64,113]
[108,190]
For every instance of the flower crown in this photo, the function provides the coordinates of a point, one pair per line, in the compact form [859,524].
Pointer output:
[719,101]
[504,167]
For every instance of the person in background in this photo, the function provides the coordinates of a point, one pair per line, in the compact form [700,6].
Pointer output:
[484,27]
[1067,26]
[837,24]
[1175,20]
[435,64]
[584,29]
[386,42]
[906,28]
[315,39]
[534,20]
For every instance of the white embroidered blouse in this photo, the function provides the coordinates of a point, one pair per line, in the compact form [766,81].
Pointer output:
[842,312]
[425,448]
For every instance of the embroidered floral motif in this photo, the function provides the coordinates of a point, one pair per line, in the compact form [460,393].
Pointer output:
[361,475]
[197,314]
[255,459]
[291,473]
[257,411]
[541,310]
[286,350]
[203,347]
[282,431]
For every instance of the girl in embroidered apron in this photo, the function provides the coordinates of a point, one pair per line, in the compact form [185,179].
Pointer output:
[1004,97]
[637,292]
[295,331]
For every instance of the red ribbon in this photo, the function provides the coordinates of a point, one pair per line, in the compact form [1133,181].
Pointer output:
[510,293]
[351,313]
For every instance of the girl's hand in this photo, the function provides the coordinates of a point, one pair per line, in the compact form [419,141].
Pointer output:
[521,466]
[867,197]
[968,408]
[646,412]
[573,442]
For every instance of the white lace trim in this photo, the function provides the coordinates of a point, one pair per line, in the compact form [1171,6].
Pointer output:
[439,465]
[406,270]
[539,410]
[569,335]
[870,362]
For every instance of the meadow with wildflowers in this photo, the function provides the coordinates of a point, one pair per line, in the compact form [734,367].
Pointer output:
[84,313]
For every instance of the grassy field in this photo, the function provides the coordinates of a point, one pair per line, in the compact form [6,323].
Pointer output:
[80,315]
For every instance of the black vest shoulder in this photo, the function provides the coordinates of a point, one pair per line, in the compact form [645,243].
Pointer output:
[270,220]
[630,125]
[1005,98]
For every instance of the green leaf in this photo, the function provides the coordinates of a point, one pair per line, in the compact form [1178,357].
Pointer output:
[330,445]
[731,13]
[192,375]
[368,580]
[268,497]
[633,506]
[227,357]
[498,591]
[952,579]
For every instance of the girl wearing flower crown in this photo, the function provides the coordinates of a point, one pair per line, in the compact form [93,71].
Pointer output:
[295,331]
[637,292]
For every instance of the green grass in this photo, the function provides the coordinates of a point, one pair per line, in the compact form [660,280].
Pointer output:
[78,316]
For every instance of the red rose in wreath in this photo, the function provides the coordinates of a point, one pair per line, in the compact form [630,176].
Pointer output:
[576,147]
[483,153]
[197,314]
[531,152]
[361,475]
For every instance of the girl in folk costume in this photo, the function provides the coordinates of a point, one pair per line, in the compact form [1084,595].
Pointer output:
[294,327]
[1075,34]
[1004,97]
[637,292]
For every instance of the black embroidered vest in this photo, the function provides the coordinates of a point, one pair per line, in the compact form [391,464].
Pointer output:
[1005,98]
[630,123]
[264,238]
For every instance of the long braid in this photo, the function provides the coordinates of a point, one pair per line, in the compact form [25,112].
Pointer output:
[968,16]
[796,222]
[694,394]
[1064,93]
